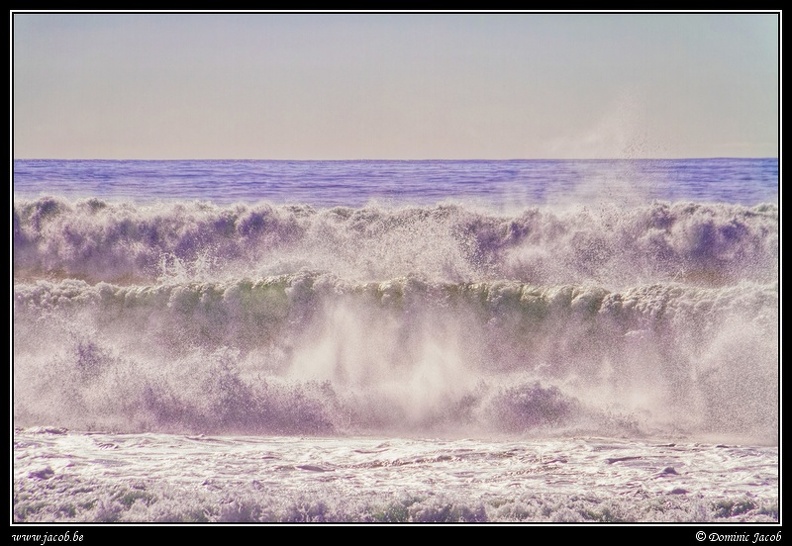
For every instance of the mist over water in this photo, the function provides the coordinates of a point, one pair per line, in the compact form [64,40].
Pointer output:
[616,306]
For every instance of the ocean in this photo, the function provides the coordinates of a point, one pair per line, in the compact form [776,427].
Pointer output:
[396,341]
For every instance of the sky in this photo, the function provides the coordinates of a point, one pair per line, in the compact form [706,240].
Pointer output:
[394,86]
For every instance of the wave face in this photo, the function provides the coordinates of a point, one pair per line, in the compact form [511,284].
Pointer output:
[656,318]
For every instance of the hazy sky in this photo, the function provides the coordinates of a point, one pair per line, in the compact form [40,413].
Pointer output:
[409,86]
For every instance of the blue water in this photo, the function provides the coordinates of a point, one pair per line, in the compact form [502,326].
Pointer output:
[354,183]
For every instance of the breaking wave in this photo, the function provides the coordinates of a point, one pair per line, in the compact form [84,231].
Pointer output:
[657,319]
[100,240]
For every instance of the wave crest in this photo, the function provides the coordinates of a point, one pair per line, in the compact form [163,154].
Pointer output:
[120,242]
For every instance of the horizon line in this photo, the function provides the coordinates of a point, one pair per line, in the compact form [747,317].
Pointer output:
[382,160]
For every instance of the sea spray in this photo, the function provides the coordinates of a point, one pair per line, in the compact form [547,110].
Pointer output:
[606,245]
[404,354]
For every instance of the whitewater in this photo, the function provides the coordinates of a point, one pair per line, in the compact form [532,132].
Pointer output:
[405,341]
